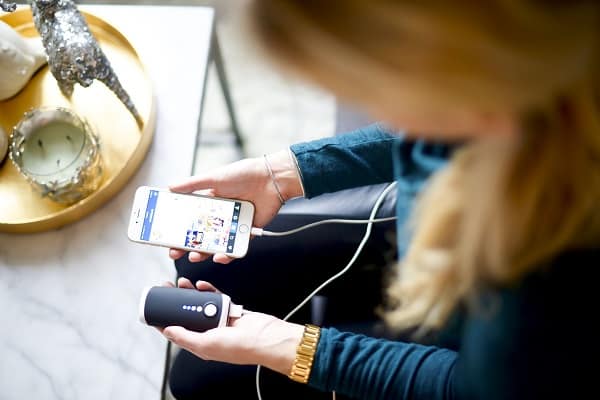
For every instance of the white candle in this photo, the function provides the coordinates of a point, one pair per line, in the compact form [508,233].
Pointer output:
[53,152]
[58,153]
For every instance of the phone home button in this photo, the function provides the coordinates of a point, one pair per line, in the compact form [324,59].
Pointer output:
[243,228]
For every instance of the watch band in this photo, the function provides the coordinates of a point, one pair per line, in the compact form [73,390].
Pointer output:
[305,354]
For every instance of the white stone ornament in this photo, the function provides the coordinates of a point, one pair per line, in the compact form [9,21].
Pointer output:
[3,145]
[20,58]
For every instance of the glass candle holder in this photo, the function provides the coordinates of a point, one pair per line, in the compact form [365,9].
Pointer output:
[58,153]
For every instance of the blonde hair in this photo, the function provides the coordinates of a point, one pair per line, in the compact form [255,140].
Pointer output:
[504,205]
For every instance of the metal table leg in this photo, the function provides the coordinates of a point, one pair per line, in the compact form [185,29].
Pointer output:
[217,58]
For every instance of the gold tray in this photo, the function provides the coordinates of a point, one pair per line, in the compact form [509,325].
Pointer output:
[123,144]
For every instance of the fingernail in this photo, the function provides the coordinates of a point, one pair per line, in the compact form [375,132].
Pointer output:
[168,334]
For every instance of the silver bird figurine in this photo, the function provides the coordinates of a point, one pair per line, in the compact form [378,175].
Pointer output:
[6,6]
[74,55]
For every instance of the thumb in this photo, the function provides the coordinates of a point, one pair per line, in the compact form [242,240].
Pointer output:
[183,337]
[192,184]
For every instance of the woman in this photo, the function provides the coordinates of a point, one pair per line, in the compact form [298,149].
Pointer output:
[508,231]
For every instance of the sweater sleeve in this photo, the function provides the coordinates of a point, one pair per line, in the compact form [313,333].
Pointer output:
[359,158]
[369,368]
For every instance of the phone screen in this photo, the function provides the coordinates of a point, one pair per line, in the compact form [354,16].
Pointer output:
[201,223]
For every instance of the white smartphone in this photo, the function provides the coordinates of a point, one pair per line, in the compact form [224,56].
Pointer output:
[191,221]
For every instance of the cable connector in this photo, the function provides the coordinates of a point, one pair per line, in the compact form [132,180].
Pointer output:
[235,311]
[256,231]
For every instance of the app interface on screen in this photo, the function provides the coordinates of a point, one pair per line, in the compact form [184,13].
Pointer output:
[194,222]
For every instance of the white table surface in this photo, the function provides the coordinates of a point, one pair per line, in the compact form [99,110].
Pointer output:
[69,298]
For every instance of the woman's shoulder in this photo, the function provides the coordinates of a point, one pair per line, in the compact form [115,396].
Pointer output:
[550,302]
[571,270]
[555,303]
[569,279]
[532,339]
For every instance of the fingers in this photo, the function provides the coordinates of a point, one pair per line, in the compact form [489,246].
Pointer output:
[206,287]
[185,283]
[168,284]
[192,184]
[176,254]
[197,257]
[221,258]
[182,337]
[200,285]
[206,192]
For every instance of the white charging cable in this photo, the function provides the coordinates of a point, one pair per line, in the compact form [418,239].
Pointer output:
[261,232]
[363,242]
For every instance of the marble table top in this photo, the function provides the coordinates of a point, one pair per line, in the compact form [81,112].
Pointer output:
[69,297]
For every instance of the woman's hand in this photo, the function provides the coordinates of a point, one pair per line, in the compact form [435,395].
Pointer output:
[253,339]
[246,179]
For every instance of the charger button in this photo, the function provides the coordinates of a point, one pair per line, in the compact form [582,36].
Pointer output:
[210,310]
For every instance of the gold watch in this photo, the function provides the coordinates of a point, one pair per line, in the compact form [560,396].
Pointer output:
[305,354]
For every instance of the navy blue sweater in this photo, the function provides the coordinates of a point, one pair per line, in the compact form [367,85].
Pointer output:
[535,340]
